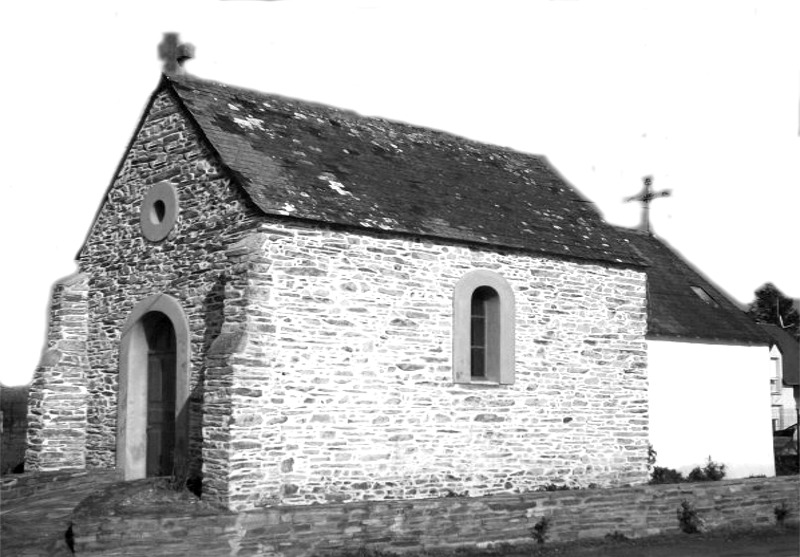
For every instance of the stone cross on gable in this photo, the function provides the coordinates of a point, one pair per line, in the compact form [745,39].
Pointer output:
[646,196]
[174,54]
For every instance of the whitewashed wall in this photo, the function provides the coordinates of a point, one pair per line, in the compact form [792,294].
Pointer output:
[711,400]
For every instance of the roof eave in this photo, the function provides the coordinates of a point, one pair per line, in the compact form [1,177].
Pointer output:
[671,337]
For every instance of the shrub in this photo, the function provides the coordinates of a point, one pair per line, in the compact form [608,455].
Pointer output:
[450,493]
[617,536]
[711,472]
[663,475]
[539,530]
[556,487]
[781,512]
[660,474]
[688,520]
[366,552]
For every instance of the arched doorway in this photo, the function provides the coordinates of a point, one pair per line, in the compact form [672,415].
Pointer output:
[152,414]
[160,336]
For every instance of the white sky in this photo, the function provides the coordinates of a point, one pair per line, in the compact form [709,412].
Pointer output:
[702,95]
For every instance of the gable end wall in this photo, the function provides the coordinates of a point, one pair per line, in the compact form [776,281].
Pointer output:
[189,265]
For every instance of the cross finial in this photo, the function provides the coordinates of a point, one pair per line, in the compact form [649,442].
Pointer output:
[174,54]
[646,196]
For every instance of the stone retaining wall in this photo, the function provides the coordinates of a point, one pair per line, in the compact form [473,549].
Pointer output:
[15,489]
[397,526]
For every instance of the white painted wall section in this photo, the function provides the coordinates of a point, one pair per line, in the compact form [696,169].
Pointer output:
[711,400]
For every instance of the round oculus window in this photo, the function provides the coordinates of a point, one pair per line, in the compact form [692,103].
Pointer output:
[159,211]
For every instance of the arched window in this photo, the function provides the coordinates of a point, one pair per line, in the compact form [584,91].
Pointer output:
[483,329]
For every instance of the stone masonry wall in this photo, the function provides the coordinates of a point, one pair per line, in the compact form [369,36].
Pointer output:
[417,525]
[57,399]
[237,426]
[323,357]
[335,370]
[17,490]
[189,264]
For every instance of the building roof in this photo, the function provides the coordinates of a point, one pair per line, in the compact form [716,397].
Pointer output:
[685,305]
[314,162]
[790,352]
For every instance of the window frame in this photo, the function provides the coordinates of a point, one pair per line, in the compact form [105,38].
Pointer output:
[158,212]
[500,356]
[701,293]
[776,378]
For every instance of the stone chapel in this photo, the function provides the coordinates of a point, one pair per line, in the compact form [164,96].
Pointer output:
[299,304]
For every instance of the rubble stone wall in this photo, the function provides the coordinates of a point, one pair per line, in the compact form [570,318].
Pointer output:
[17,490]
[321,357]
[189,264]
[335,365]
[57,399]
[417,525]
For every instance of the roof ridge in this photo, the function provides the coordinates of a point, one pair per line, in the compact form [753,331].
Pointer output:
[358,117]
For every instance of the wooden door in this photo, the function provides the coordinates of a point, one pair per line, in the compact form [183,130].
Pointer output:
[160,395]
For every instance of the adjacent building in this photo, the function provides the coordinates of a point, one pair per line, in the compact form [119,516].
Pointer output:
[709,369]
[784,377]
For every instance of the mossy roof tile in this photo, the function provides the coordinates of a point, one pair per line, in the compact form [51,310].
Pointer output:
[310,161]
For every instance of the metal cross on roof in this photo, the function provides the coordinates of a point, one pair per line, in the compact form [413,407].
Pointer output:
[174,54]
[646,196]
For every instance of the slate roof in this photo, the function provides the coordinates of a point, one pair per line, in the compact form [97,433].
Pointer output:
[790,352]
[311,161]
[675,310]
